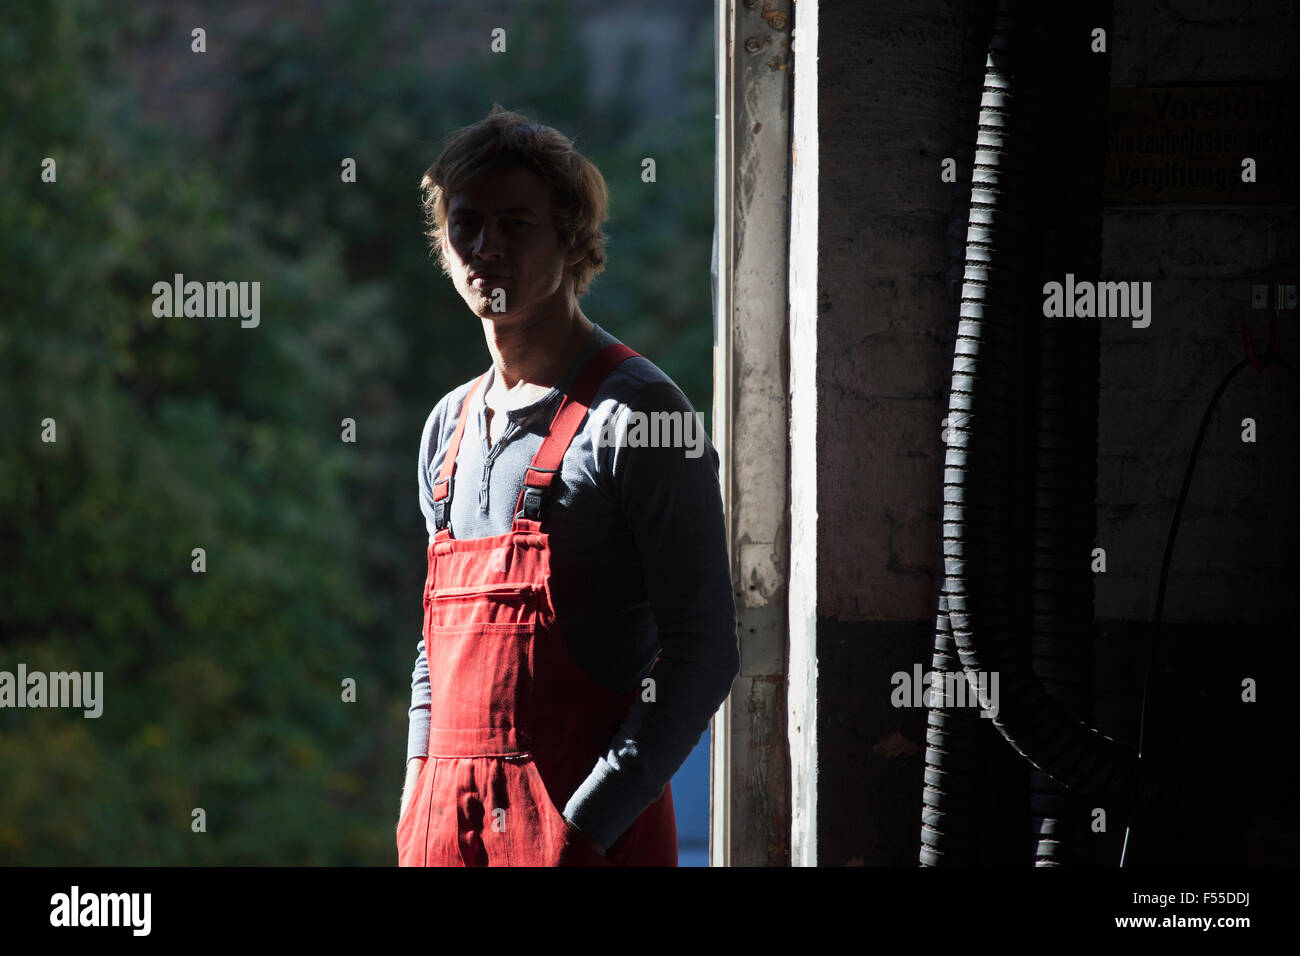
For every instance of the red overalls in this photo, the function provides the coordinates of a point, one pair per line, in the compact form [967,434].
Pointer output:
[515,725]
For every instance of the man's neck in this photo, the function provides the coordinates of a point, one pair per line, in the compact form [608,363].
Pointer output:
[536,351]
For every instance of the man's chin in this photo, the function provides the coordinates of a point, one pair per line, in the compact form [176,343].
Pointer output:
[482,301]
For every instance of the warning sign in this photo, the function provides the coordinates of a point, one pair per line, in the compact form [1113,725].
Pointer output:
[1191,145]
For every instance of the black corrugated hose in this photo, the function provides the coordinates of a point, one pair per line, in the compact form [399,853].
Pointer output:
[954,800]
[1013,440]
[1072,128]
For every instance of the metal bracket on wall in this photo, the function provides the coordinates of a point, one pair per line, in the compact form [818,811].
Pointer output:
[1278,296]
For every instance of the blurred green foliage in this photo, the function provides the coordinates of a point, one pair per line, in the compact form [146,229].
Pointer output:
[222,690]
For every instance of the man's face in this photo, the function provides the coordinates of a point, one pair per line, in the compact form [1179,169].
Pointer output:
[500,235]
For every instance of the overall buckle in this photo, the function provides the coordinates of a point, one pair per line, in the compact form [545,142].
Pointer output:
[533,503]
[441,507]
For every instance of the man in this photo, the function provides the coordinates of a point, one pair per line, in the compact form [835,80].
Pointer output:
[579,626]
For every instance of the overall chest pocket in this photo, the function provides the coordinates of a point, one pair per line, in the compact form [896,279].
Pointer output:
[490,604]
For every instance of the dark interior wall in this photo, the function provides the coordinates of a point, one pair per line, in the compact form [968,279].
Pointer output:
[888,78]
[1156,382]
[889,81]
[1233,570]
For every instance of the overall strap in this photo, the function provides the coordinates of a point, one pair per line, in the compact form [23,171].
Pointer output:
[442,487]
[568,419]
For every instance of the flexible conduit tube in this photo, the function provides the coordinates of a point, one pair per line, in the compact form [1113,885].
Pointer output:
[956,745]
[1066,395]
[1000,243]
[984,561]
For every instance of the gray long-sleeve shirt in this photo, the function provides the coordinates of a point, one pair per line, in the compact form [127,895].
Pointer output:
[639,566]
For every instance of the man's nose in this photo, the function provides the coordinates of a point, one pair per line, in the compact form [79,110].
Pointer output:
[487,244]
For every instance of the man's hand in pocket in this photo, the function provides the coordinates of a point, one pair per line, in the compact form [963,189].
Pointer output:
[586,840]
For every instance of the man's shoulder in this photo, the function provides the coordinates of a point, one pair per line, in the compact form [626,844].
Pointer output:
[638,381]
[442,419]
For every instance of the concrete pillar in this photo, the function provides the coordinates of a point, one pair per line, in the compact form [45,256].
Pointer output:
[750,779]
